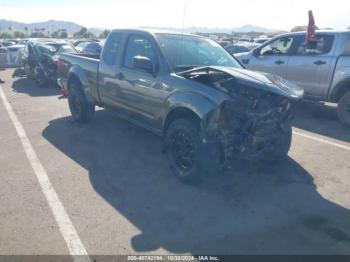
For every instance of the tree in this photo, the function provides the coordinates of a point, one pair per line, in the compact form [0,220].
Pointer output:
[18,34]
[26,30]
[60,33]
[55,34]
[63,33]
[6,35]
[37,34]
[104,34]
[83,33]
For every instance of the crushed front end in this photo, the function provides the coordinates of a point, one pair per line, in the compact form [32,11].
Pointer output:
[250,124]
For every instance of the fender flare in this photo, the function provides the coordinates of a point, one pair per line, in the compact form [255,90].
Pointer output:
[77,72]
[199,104]
[340,88]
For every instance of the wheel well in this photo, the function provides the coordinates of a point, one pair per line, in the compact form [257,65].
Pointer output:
[178,113]
[71,79]
[341,89]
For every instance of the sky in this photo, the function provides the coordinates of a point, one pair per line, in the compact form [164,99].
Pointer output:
[274,14]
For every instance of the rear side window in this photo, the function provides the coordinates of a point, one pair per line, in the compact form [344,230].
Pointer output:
[110,49]
[347,45]
[320,45]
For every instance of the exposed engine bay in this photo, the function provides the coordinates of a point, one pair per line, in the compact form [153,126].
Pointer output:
[248,125]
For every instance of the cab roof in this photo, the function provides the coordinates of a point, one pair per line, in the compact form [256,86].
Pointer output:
[154,31]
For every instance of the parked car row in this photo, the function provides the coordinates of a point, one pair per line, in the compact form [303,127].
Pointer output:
[241,47]
[90,48]
[11,53]
[40,59]
[225,42]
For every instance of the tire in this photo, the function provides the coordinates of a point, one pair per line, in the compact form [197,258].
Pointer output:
[281,146]
[40,79]
[343,109]
[82,111]
[27,71]
[185,151]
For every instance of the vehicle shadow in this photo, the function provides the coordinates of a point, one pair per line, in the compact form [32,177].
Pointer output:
[244,211]
[28,86]
[321,119]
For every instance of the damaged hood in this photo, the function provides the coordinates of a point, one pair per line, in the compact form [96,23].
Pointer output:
[265,81]
[259,80]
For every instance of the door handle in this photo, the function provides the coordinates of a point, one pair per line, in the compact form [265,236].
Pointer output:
[279,62]
[245,61]
[320,62]
[120,76]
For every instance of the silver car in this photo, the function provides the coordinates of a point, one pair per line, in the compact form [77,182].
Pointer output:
[322,67]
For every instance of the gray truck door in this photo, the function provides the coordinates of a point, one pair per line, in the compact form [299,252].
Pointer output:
[272,57]
[310,66]
[140,92]
[108,85]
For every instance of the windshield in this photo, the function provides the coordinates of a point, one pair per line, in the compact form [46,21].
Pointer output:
[186,52]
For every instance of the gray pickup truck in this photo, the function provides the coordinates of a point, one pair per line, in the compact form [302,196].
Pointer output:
[210,110]
[322,67]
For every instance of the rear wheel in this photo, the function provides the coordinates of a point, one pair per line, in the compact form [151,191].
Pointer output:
[344,109]
[81,109]
[27,71]
[40,78]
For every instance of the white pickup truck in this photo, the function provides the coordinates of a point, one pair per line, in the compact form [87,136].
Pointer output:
[322,67]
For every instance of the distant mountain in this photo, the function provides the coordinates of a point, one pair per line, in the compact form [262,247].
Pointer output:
[70,27]
[49,26]
[252,28]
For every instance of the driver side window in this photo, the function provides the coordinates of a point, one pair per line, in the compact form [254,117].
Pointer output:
[281,46]
[139,46]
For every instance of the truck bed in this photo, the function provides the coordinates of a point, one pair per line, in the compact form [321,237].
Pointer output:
[85,64]
[83,61]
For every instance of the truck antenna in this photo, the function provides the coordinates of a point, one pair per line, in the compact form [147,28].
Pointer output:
[183,30]
[184,16]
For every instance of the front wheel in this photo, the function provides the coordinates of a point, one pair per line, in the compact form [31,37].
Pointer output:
[184,150]
[81,109]
[344,109]
[281,146]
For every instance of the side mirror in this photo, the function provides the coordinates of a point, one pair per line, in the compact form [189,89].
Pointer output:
[143,63]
